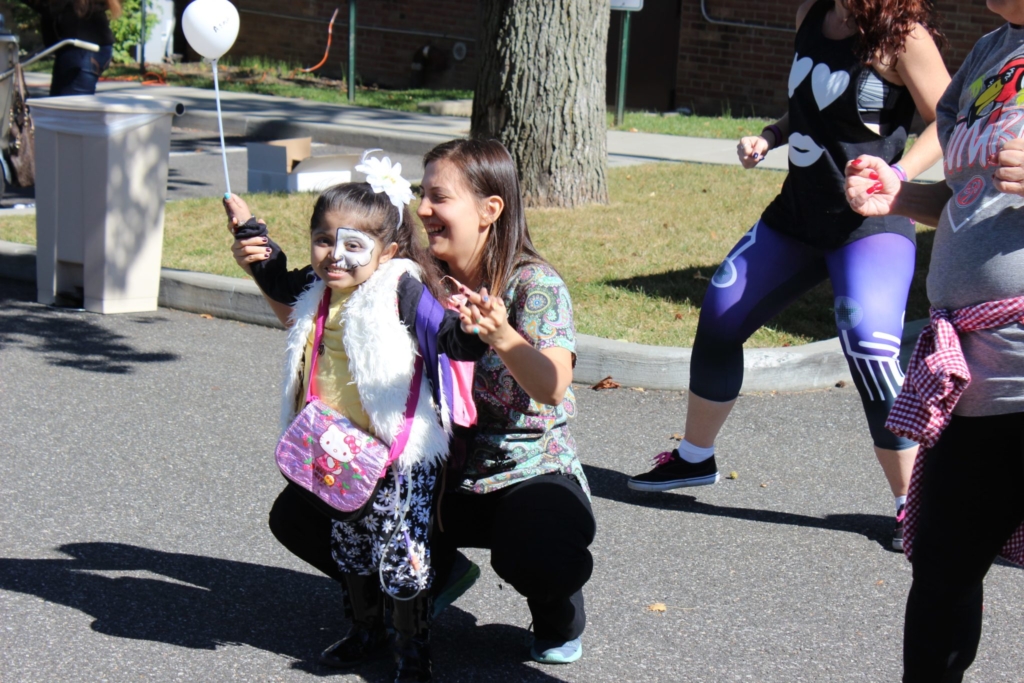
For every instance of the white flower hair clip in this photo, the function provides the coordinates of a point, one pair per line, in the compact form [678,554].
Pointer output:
[383,177]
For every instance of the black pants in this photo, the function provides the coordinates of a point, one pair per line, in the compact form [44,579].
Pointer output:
[972,501]
[538,532]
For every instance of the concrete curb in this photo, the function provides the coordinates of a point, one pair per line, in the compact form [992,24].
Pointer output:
[812,366]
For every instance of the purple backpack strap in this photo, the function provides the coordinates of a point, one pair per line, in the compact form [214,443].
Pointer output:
[429,315]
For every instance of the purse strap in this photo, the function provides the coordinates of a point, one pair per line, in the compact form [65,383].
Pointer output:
[400,441]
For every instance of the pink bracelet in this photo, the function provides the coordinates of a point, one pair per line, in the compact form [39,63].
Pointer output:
[900,173]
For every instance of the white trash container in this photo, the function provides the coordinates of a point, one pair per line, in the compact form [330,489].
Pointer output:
[101,183]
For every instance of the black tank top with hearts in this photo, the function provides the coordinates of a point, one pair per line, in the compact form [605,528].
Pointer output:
[826,131]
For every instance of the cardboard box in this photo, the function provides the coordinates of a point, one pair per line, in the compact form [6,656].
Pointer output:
[279,156]
[287,166]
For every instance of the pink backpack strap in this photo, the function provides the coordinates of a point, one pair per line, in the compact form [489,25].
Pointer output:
[321,319]
[398,445]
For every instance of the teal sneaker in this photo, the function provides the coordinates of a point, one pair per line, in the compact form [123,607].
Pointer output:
[556,652]
[463,575]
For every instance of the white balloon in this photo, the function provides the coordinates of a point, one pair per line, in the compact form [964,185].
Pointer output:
[210,27]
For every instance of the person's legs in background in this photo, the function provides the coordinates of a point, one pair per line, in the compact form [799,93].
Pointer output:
[762,275]
[871,280]
[76,71]
[972,500]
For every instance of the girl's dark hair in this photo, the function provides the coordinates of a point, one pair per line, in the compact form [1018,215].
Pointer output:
[379,218]
[488,170]
[883,25]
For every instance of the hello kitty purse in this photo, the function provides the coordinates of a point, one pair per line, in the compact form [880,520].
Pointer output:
[338,465]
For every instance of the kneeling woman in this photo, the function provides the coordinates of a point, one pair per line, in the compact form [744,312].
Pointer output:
[515,485]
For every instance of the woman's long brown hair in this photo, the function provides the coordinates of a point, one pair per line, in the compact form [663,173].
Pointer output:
[489,171]
[86,7]
[883,26]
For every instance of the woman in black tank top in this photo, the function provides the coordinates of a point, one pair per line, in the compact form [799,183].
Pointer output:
[859,70]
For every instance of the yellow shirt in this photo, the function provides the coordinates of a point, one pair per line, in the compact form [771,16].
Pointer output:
[334,383]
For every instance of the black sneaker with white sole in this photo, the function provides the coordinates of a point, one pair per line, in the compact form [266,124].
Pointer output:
[672,472]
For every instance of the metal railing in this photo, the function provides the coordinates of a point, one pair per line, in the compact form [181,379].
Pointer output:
[741,24]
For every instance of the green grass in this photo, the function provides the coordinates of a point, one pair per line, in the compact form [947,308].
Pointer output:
[637,268]
[725,127]
[283,80]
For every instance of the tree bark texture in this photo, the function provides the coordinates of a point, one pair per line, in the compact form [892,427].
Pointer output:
[541,92]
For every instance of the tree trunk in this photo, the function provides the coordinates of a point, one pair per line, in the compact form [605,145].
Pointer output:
[541,92]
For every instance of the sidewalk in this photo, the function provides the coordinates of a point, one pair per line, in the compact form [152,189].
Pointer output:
[812,366]
[412,133]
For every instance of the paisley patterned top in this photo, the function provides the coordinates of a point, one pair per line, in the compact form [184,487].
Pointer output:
[517,437]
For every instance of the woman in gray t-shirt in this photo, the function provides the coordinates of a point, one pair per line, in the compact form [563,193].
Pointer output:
[965,515]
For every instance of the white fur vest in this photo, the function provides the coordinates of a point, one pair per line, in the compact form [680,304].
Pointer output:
[381,355]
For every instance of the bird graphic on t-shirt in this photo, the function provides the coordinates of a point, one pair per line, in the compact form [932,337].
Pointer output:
[997,91]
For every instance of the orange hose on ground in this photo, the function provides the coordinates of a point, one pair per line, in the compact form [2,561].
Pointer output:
[327,50]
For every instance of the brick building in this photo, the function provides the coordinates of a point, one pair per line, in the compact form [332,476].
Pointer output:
[683,53]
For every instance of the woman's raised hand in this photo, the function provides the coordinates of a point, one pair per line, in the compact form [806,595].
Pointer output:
[1009,177]
[871,186]
[751,150]
[485,316]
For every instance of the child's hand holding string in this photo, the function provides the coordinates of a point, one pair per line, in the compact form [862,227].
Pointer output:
[486,317]
[251,241]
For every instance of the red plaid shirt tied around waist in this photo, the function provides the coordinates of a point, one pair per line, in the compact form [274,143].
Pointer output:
[938,373]
[936,378]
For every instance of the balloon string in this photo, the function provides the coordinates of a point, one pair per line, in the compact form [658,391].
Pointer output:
[220,126]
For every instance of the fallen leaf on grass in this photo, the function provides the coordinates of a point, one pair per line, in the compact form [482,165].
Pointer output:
[679,316]
[700,276]
[733,475]
[656,607]
[606,383]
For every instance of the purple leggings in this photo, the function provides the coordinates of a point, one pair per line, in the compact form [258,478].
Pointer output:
[767,270]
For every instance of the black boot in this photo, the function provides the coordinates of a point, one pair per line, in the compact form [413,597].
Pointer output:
[411,619]
[367,635]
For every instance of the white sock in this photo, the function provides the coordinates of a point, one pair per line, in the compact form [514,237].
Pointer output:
[694,454]
[900,502]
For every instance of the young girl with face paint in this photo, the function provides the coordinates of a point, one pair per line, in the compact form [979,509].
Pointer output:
[375,279]
[514,483]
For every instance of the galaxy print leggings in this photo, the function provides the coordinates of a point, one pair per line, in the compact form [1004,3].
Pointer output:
[767,270]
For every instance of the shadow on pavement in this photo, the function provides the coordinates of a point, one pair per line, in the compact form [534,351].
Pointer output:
[68,339]
[611,485]
[202,602]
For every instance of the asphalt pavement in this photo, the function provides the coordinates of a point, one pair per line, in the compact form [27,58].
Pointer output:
[138,475]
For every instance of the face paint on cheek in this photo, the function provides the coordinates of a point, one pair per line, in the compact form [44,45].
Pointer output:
[348,257]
